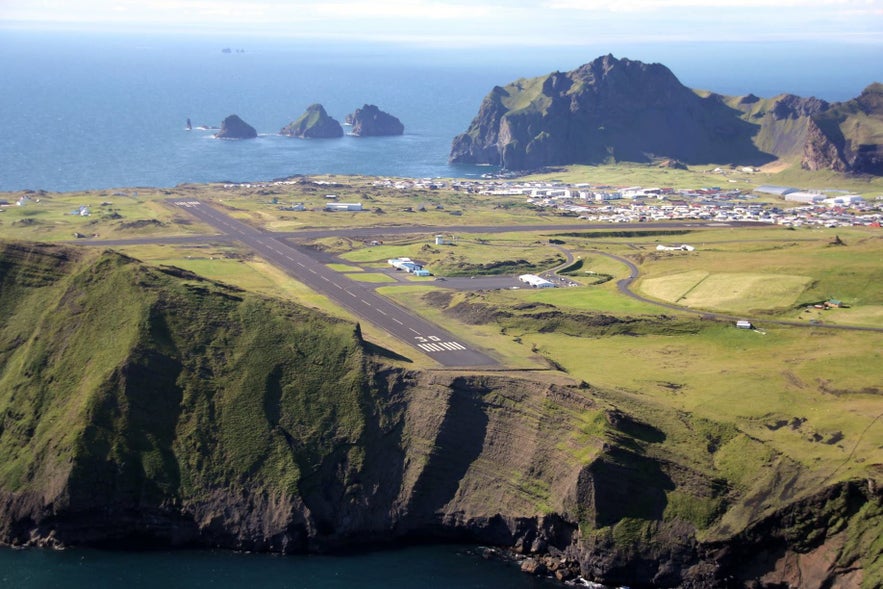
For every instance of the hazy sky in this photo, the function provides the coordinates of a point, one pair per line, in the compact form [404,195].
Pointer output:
[470,22]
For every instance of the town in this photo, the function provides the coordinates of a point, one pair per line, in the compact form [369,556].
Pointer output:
[776,205]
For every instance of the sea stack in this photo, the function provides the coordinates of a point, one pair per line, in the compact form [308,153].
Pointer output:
[370,121]
[235,128]
[315,123]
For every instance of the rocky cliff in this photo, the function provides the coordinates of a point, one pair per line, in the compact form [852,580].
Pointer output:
[148,406]
[370,121]
[623,110]
[315,123]
[235,128]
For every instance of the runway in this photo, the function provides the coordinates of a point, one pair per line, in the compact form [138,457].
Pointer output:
[362,301]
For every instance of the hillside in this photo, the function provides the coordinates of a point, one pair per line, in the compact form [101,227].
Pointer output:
[619,110]
[148,406]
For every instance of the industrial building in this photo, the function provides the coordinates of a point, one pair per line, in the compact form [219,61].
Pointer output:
[536,281]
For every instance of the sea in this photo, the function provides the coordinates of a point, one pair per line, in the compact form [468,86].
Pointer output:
[423,567]
[83,111]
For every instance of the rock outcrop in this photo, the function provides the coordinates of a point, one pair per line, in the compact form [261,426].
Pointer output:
[235,128]
[370,121]
[315,123]
[623,110]
[848,136]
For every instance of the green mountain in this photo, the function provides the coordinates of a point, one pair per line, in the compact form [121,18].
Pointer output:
[146,405]
[623,110]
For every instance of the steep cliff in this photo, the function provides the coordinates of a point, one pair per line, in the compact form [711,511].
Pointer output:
[849,135]
[235,128]
[622,110]
[370,121]
[146,405]
[315,123]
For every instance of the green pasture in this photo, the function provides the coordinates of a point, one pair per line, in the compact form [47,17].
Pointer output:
[750,380]
[733,292]
[52,216]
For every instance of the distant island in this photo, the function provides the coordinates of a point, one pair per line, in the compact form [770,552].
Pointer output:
[235,128]
[314,123]
[370,121]
[620,110]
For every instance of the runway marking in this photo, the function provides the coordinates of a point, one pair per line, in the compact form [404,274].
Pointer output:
[453,345]
[397,321]
[441,347]
[366,302]
[414,330]
[301,265]
[311,270]
[351,294]
[381,311]
[337,285]
[325,278]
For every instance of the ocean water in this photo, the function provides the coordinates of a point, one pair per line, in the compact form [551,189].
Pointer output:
[84,111]
[426,567]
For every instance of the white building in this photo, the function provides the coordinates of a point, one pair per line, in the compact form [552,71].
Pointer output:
[343,206]
[535,281]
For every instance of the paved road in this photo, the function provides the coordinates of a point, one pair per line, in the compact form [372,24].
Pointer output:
[361,300]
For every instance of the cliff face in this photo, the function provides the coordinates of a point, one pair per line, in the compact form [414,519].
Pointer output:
[622,110]
[370,121]
[849,135]
[215,417]
[315,123]
[235,128]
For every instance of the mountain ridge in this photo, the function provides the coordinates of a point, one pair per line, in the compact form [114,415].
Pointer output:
[613,109]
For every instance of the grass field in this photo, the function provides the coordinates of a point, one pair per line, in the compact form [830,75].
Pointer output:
[732,292]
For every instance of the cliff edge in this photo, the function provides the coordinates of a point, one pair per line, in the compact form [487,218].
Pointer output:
[217,417]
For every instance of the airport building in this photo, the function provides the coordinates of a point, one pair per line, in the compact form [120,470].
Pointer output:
[535,281]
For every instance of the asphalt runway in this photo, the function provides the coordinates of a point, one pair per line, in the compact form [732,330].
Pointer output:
[361,300]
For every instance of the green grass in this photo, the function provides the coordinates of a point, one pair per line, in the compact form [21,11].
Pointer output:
[345,268]
[729,292]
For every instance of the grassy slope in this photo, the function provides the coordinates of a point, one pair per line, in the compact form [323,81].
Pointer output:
[153,387]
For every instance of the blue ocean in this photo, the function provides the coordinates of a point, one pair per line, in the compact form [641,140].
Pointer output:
[93,111]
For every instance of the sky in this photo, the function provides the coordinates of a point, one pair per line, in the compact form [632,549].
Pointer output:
[468,23]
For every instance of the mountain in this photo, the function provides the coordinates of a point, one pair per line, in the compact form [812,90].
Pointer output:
[235,128]
[147,406]
[623,110]
[315,123]
[370,121]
